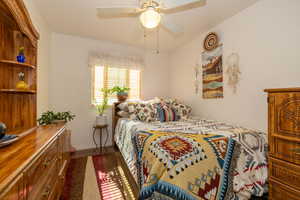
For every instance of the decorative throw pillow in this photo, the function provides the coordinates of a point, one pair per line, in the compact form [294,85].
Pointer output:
[168,101]
[132,110]
[166,113]
[146,112]
[143,111]
[183,111]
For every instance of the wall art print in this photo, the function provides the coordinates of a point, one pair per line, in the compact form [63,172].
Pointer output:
[212,69]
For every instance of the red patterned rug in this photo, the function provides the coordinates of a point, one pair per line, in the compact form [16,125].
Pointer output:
[96,178]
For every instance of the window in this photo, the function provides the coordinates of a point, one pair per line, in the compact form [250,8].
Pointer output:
[108,77]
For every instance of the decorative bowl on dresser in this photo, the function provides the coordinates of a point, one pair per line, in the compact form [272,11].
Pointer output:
[284,143]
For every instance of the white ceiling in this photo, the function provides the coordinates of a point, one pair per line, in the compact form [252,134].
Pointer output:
[79,17]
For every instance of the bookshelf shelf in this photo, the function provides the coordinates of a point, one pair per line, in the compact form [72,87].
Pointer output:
[17,91]
[17,63]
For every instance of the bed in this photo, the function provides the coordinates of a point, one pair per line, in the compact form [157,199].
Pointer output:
[193,159]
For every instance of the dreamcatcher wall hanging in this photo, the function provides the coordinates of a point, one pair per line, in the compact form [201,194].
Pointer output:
[233,71]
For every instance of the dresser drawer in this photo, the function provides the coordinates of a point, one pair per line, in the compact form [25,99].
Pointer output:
[285,173]
[285,150]
[284,115]
[55,194]
[41,189]
[45,167]
[48,188]
[278,191]
[15,191]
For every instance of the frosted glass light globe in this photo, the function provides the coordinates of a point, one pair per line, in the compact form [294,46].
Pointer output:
[150,18]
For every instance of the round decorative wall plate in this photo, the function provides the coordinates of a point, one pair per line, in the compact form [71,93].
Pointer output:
[211,41]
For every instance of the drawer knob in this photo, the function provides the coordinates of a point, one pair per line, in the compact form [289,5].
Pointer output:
[47,192]
[46,163]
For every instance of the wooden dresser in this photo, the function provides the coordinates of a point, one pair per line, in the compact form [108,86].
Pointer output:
[34,168]
[284,143]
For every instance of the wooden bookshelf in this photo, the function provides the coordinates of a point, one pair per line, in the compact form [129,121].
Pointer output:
[17,91]
[17,63]
[18,108]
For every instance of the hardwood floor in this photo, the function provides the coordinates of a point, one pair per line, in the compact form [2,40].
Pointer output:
[112,178]
[94,176]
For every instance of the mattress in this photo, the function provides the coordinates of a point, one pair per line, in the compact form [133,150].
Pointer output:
[250,170]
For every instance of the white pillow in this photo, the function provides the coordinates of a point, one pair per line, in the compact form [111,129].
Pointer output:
[123,114]
[152,101]
[123,106]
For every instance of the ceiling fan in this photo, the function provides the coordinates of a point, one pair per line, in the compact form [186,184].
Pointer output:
[151,12]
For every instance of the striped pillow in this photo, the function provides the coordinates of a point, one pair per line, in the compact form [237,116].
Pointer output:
[166,113]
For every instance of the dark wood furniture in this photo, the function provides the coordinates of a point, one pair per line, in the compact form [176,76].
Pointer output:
[101,129]
[17,107]
[284,143]
[34,167]
[115,119]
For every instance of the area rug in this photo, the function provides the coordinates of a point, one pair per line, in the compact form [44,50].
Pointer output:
[100,177]
[97,178]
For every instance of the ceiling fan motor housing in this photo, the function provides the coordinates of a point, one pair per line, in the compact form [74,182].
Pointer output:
[150,4]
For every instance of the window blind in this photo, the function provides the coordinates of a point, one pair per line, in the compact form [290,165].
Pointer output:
[109,77]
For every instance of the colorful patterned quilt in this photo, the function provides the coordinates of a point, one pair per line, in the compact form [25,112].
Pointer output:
[194,159]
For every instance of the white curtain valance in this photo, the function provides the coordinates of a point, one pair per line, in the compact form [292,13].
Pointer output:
[129,62]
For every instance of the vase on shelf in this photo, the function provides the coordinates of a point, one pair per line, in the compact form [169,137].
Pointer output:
[21,58]
[21,84]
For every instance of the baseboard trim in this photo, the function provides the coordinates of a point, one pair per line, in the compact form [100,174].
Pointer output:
[93,151]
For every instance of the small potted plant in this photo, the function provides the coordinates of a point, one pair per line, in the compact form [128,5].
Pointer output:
[51,117]
[21,56]
[101,118]
[122,93]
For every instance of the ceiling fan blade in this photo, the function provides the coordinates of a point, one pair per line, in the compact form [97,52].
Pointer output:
[118,12]
[173,6]
[171,27]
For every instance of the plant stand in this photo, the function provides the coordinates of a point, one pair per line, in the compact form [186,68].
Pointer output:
[100,128]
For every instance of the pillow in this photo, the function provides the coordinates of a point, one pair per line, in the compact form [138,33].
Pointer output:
[153,101]
[123,114]
[123,106]
[143,111]
[183,111]
[169,102]
[166,113]
[146,112]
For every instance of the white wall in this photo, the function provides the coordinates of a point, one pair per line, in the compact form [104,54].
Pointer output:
[43,56]
[70,80]
[266,36]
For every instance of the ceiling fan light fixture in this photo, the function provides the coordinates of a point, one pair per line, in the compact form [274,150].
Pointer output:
[150,18]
